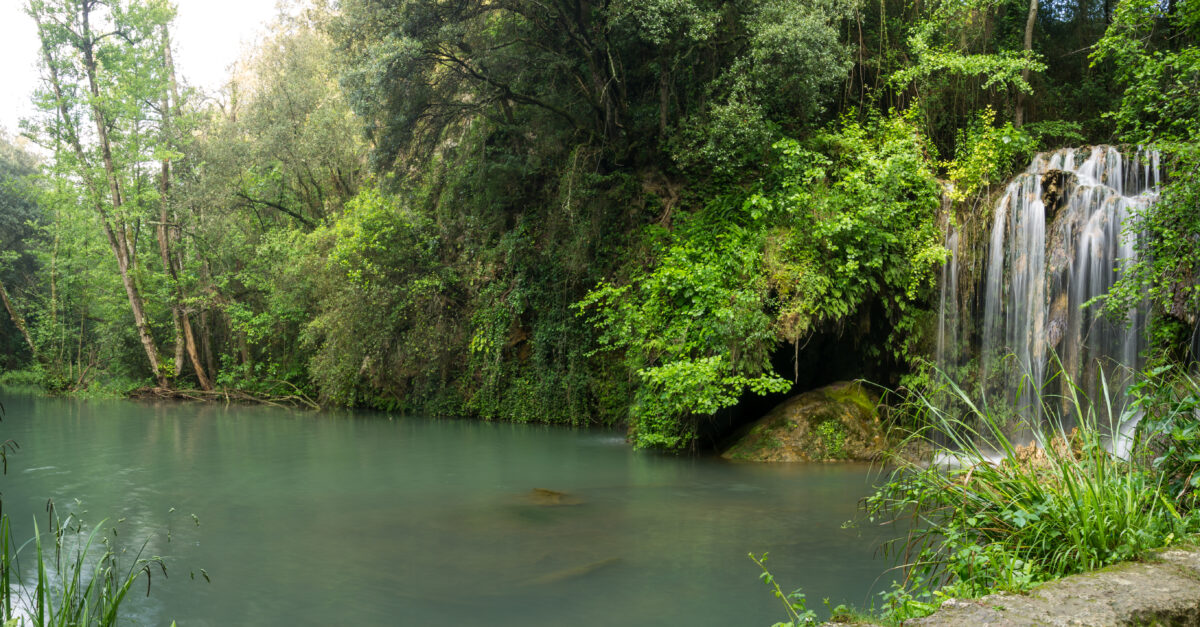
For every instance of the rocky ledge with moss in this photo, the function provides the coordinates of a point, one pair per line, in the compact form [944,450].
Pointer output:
[836,422]
[1163,589]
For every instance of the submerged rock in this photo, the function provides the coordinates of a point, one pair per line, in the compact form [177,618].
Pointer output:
[836,422]
[567,574]
[542,496]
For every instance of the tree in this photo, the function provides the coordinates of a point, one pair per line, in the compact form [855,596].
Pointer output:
[616,75]
[1030,21]
[836,229]
[104,62]
[1156,52]
[959,62]
[268,168]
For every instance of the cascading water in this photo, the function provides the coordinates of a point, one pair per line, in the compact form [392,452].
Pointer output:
[947,355]
[1056,243]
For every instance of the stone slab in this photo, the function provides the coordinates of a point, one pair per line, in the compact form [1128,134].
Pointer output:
[1163,591]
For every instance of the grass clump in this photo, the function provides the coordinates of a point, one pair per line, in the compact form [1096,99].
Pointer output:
[79,579]
[987,513]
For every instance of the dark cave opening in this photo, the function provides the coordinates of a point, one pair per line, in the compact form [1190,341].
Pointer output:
[825,359]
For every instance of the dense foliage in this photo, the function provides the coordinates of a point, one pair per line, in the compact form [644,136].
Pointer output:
[1156,51]
[640,213]
[829,231]
[19,217]
[644,213]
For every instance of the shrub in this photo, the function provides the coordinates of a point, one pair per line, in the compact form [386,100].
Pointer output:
[1169,401]
[837,226]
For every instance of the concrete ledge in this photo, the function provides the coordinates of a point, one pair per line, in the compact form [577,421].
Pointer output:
[1163,590]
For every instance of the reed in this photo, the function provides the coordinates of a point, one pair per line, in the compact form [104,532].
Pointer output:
[78,579]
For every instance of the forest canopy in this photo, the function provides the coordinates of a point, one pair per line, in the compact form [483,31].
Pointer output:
[572,211]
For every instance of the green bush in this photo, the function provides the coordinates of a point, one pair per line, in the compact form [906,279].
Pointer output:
[986,154]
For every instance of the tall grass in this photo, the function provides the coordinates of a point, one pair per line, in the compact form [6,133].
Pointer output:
[985,513]
[78,578]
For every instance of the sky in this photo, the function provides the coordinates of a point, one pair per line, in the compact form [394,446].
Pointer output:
[209,36]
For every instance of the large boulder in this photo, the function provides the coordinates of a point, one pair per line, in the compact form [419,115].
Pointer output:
[836,422]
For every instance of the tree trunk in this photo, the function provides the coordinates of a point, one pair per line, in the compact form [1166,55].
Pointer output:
[206,340]
[164,250]
[161,232]
[664,102]
[168,233]
[1029,23]
[194,355]
[18,320]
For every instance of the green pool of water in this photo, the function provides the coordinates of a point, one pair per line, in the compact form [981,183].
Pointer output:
[363,519]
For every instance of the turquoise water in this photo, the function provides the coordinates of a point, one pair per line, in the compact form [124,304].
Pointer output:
[364,519]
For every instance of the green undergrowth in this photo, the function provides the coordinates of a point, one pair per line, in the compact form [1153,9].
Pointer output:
[25,377]
[987,514]
[839,228]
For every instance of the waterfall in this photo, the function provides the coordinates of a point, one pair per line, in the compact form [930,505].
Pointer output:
[1056,242]
[947,352]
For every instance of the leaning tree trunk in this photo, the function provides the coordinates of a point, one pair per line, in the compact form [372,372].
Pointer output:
[168,233]
[162,231]
[18,320]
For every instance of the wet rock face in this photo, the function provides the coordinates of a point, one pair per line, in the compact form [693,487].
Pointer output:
[836,422]
[1054,190]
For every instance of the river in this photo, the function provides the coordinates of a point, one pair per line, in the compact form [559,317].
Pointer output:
[346,518]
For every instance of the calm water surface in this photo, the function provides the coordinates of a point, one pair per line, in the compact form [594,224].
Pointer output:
[361,519]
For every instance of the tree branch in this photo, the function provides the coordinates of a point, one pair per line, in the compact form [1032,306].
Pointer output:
[266,203]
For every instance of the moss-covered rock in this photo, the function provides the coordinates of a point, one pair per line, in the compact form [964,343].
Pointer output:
[836,422]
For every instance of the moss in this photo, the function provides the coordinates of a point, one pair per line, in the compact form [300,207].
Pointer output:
[754,447]
[854,393]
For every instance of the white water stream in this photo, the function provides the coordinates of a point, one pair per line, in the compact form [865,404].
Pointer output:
[1044,264]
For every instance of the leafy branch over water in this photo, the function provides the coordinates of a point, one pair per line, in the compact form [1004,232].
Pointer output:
[794,602]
